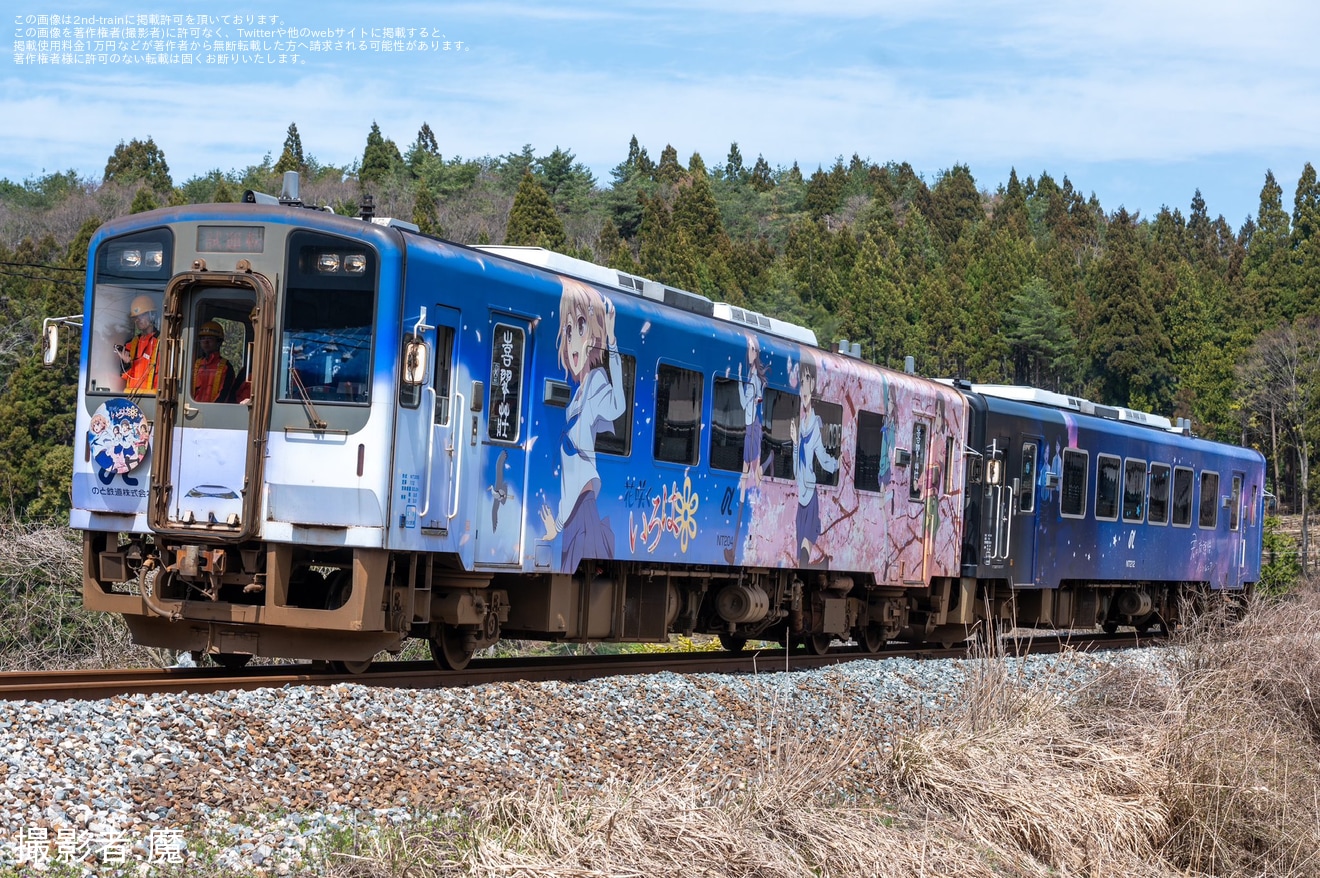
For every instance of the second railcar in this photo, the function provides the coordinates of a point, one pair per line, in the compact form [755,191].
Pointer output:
[1083,514]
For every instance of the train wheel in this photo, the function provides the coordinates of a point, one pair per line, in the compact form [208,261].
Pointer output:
[449,649]
[871,639]
[733,642]
[1109,627]
[819,644]
[231,661]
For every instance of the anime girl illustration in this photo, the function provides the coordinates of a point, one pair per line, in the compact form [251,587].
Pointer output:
[809,449]
[751,389]
[118,438]
[586,343]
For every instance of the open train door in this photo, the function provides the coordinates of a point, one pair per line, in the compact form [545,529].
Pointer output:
[208,467]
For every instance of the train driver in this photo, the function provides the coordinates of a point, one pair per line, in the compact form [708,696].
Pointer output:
[213,376]
[138,355]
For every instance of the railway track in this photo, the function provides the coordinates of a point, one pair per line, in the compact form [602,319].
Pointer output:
[94,684]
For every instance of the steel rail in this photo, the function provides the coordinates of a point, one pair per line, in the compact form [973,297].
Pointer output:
[97,684]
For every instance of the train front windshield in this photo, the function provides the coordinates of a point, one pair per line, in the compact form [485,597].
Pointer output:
[131,274]
[325,351]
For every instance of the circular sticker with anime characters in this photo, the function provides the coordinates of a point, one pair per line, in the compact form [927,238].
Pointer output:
[119,437]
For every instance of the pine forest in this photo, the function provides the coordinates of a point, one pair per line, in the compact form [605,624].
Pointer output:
[1027,280]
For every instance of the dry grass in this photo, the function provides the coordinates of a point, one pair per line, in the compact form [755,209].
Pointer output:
[1206,765]
[45,623]
[1241,741]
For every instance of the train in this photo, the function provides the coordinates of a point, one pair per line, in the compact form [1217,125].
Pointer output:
[313,436]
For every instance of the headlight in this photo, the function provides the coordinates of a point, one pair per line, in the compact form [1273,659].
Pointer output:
[327,262]
[355,263]
[137,259]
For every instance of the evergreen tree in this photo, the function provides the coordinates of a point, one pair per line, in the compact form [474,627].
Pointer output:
[532,220]
[423,215]
[143,201]
[224,193]
[734,172]
[1129,349]
[762,180]
[1011,211]
[1269,282]
[380,158]
[669,171]
[825,191]
[568,181]
[291,159]
[1306,208]
[139,160]
[426,141]
[697,214]
[956,202]
[1037,332]
[613,251]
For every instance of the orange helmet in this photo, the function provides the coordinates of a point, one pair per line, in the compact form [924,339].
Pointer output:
[211,329]
[141,305]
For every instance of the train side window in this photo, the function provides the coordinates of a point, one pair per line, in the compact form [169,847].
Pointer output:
[920,451]
[444,370]
[619,442]
[1182,496]
[1134,489]
[1027,482]
[1072,495]
[1235,509]
[780,410]
[1208,517]
[728,425]
[504,423]
[1106,487]
[831,428]
[870,448]
[677,414]
[1157,506]
[949,449]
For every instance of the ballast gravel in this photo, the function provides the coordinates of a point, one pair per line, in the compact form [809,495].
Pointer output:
[261,777]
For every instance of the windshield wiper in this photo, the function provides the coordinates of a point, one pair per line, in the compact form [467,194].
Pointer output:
[313,419]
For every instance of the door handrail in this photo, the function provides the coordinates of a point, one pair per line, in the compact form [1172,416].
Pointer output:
[430,452]
[456,454]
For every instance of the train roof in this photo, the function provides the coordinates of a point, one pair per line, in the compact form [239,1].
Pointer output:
[650,289]
[1036,396]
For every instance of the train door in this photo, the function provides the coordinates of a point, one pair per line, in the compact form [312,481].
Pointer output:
[1024,513]
[438,405]
[1238,523]
[500,449]
[213,397]
[998,504]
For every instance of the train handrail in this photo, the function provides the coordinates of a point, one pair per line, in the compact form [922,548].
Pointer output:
[456,453]
[430,451]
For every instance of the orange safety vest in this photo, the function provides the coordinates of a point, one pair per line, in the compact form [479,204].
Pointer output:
[140,373]
[213,379]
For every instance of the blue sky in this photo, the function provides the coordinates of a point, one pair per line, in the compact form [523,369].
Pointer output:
[1141,102]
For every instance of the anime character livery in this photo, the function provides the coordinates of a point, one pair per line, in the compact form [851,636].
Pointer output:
[463,444]
[585,342]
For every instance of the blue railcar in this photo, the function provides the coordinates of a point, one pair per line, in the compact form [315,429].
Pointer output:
[1089,510]
[423,439]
